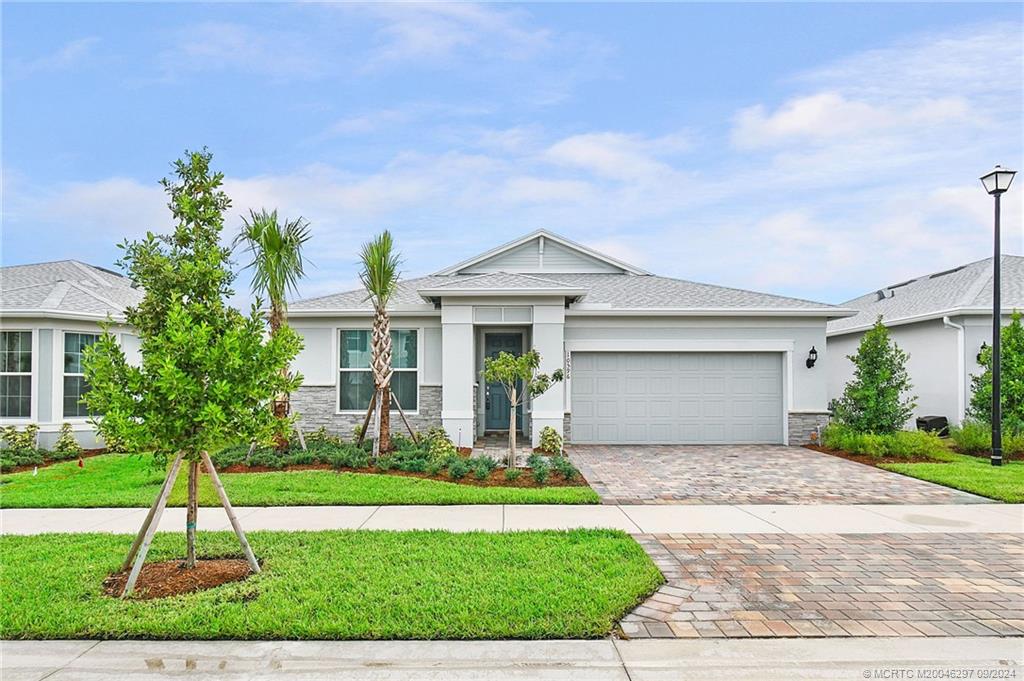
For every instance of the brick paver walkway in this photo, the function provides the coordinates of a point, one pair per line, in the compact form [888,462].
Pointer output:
[761,585]
[746,474]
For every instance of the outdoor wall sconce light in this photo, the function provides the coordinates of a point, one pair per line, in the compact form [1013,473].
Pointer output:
[984,347]
[812,357]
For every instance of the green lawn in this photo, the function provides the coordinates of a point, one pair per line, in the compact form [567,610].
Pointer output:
[971,474]
[336,585]
[125,480]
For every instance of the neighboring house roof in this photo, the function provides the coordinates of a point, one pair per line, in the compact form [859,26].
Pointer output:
[964,289]
[65,288]
[626,292]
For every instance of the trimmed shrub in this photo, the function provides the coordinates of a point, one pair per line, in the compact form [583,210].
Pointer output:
[975,437]
[458,469]
[482,466]
[541,471]
[25,439]
[439,445]
[565,468]
[66,442]
[512,474]
[550,440]
[903,443]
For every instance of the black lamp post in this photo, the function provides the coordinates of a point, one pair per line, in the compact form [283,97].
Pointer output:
[996,182]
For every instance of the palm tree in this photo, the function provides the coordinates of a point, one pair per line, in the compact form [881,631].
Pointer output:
[277,266]
[380,279]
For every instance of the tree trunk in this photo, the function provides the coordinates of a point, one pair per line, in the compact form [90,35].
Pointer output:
[276,320]
[381,365]
[512,431]
[191,513]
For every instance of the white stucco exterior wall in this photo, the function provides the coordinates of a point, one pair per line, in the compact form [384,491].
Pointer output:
[548,409]
[941,379]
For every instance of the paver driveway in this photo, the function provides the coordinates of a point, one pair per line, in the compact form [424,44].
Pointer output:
[746,474]
[766,585]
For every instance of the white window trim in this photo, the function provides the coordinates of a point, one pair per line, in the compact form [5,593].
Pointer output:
[74,420]
[33,375]
[336,345]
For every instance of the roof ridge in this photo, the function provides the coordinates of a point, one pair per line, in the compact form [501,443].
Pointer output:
[95,295]
[354,290]
[982,278]
[90,272]
[52,301]
[462,279]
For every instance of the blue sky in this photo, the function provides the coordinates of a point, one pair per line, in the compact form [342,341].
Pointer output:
[809,150]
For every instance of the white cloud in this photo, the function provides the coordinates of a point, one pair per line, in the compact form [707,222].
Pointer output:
[439,31]
[616,155]
[829,115]
[68,56]
[219,45]
[523,190]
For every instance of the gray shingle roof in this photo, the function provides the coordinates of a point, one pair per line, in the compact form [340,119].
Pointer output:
[616,291]
[68,287]
[505,281]
[967,286]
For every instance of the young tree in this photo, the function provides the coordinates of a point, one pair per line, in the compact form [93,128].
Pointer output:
[380,279]
[873,401]
[277,266]
[1012,379]
[207,374]
[510,371]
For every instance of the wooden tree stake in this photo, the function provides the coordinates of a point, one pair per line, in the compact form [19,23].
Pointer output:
[147,539]
[415,438]
[168,481]
[226,503]
[366,421]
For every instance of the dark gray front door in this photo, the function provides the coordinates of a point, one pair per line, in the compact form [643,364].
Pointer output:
[496,409]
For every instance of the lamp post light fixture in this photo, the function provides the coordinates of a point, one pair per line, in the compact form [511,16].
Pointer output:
[996,182]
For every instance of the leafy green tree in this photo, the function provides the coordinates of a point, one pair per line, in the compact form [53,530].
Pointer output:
[208,373]
[873,401]
[380,277]
[277,265]
[1011,380]
[512,371]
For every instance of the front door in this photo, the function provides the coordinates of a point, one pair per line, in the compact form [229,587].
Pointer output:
[496,406]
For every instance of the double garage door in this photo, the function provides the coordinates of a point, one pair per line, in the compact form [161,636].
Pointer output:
[676,397]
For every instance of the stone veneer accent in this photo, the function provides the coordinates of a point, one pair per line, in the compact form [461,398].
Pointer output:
[567,428]
[803,424]
[316,406]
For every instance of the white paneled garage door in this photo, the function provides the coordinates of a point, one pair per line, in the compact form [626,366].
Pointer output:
[676,397]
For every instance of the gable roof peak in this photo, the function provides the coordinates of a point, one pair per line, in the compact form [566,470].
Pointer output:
[546,235]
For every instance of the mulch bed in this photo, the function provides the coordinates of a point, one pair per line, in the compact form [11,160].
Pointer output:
[496,478]
[870,460]
[86,453]
[170,578]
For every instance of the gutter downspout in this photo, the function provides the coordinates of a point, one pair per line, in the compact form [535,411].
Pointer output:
[960,366]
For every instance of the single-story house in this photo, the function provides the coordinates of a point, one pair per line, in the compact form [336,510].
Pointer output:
[49,312]
[941,320]
[647,359]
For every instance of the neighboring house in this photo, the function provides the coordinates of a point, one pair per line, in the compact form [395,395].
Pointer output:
[49,312]
[941,320]
[647,359]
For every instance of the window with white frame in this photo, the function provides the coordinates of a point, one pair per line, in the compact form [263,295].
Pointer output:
[74,375]
[16,374]
[355,384]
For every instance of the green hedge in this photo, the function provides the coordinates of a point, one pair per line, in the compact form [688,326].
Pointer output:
[903,443]
[975,437]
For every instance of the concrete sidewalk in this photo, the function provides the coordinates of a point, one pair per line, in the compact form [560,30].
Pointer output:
[603,660]
[636,519]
